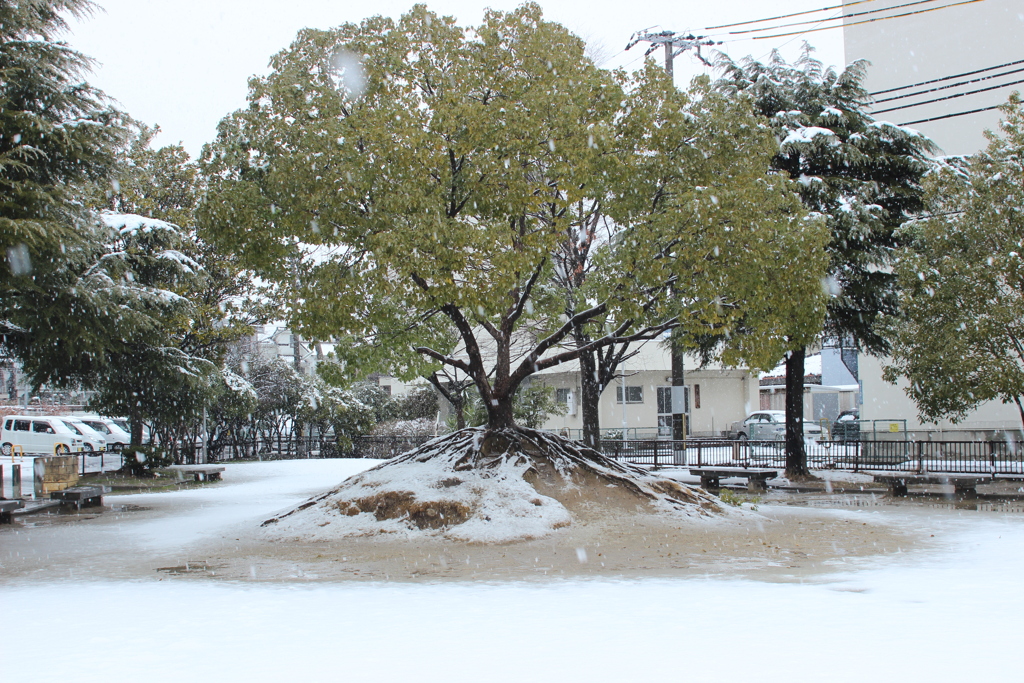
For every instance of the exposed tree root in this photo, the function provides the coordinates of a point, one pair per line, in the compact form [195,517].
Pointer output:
[490,485]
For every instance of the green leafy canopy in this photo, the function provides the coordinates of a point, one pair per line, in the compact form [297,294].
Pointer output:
[960,338]
[422,209]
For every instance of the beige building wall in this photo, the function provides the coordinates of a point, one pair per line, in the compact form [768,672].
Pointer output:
[884,401]
[725,395]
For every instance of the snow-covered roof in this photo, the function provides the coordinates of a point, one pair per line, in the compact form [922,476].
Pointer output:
[812,366]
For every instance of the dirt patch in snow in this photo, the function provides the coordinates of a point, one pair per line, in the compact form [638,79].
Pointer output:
[772,544]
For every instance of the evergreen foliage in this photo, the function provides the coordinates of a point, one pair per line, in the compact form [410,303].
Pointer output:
[862,176]
[56,133]
[167,369]
[262,400]
[959,340]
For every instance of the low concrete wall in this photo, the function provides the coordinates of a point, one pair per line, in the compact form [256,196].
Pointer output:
[54,473]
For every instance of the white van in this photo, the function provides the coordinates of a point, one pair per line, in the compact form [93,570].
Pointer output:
[94,440]
[39,435]
[117,437]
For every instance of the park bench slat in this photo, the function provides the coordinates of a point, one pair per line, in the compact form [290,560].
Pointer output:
[757,477]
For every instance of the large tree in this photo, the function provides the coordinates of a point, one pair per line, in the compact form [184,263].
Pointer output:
[860,175]
[959,340]
[416,177]
[56,133]
[165,371]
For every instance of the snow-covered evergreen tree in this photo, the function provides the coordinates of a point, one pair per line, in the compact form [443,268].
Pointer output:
[56,133]
[863,176]
[194,301]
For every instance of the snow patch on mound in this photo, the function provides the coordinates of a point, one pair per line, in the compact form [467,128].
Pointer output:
[487,487]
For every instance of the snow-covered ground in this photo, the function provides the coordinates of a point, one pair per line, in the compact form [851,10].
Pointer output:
[948,611]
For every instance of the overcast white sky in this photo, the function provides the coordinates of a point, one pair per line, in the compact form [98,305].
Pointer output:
[184,64]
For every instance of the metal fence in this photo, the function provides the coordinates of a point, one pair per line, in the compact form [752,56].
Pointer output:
[379,447]
[98,461]
[961,457]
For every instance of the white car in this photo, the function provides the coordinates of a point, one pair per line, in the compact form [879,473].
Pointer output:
[39,435]
[116,436]
[770,425]
[92,440]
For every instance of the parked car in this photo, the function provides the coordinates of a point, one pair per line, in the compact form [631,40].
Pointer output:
[847,426]
[116,436]
[39,435]
[770,425]
[93,440]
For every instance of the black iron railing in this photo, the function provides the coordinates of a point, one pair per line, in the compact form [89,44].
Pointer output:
[378,447]
[967,457]
[964,457]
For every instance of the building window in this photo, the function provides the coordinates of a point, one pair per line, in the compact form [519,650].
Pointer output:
[696,396]
[665,410]
[565,397]
[665,402]
[386,388]
[634,394]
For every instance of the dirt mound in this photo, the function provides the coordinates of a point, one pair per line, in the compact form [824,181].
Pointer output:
[488,486]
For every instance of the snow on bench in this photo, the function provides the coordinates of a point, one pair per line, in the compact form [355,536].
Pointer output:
[7,507]
[963,485]
[201,472]
[757,477]
[81,496]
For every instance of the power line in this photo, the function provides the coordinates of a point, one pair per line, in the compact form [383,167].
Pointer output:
[949,97]
[867,21]
[787,16]
[842,16]
[949,116]
[946,78]
[951,85]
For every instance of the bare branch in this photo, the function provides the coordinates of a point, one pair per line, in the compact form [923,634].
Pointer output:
[517,312]
[440,357]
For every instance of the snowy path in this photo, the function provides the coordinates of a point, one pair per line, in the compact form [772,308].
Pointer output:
[947,613]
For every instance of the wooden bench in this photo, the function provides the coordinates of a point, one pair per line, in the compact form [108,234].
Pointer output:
[963,485]
[201,472]
[81,496]
[757,477]
[7,507]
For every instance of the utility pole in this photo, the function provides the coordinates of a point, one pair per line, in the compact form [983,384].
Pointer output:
[675,44]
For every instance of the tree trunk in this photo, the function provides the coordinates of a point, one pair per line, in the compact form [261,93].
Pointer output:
[459,406]
[499,412]
[678,380]
[455,393]
[135,423]
[590,398]
[796,455]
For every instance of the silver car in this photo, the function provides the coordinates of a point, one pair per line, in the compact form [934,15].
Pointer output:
[770,425]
